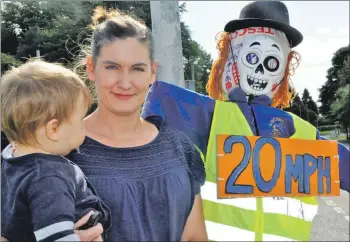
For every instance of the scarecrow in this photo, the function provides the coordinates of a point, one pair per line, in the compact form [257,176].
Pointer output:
[248,87]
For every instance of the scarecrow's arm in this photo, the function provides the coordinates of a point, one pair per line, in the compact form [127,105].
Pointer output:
[182,109]
[344,167]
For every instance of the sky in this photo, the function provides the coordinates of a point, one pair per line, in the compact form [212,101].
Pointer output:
[324,25]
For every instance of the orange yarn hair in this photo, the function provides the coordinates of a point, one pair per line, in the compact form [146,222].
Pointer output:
[213,86]
[281,98]
[286,91]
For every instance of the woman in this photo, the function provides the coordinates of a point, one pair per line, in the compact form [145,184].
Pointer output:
[148,175]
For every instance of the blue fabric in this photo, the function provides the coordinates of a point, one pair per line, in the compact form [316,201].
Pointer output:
[182,109]
[273,122]
[150,189]
[344,165]
[39,190]
[263,119]
[239,97]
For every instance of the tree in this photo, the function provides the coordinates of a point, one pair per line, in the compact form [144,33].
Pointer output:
[41,24]
[201,62]
[58,28]
[194,54]
[139,9]
[308,101]
[334,73]
[9,40]
[300,108]
[334,94]
[295,106]
[49,25]
[297,99]
[8,61]
[344,72]
[341,107]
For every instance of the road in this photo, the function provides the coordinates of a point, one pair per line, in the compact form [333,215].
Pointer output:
[332,220]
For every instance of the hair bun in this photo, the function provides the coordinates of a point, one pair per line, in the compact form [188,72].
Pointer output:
[101,15]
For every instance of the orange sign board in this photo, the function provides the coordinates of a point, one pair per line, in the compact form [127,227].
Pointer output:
[252,166]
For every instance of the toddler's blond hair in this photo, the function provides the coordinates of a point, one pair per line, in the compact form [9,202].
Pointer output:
[35,93]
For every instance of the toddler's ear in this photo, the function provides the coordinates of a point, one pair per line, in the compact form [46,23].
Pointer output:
[52,130]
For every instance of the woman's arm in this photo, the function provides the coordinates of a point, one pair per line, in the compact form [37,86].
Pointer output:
[195,226]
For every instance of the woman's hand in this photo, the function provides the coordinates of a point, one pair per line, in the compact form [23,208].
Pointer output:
[3,239]
[91,234]
[195,226]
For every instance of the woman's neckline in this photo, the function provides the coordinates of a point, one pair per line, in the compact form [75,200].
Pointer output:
[146,145]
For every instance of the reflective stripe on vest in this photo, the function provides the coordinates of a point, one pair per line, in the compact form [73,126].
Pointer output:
[249,219]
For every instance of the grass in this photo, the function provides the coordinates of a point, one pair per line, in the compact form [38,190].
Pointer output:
[341,137]
[326,132]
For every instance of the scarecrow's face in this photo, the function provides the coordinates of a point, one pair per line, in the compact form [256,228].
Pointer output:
[256,62]
[260,64]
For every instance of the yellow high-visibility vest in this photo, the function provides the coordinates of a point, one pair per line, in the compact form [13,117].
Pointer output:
[252,219]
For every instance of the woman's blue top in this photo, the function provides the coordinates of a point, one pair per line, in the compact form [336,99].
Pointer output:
[149,189]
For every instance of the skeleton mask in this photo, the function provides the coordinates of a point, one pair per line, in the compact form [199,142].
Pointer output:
[257,61]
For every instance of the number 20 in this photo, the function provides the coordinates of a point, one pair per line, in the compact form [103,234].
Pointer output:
[262,184]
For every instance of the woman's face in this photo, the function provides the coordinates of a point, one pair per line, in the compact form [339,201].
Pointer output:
[122,74]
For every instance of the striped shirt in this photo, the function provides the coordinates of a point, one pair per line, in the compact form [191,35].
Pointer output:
[42,196]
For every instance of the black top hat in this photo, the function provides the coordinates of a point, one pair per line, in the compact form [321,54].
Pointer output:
[272,14]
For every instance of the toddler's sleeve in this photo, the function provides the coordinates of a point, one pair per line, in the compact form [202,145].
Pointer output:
[51,202]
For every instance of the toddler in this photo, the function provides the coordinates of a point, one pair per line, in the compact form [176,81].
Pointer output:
[42,193]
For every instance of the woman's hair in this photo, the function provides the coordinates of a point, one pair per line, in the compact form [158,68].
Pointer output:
[281,98]
[107,26]
[35,93]
[113,24]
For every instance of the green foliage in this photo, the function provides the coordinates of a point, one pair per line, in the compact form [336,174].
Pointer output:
[195,55]
[58,28]
[44,25]
[334,94]
[344,72]
[337,74]
[341,107]
[139,9]
[309,102]
[326,129]
[323,121]
[202,63]
[305,108]
[8,61]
